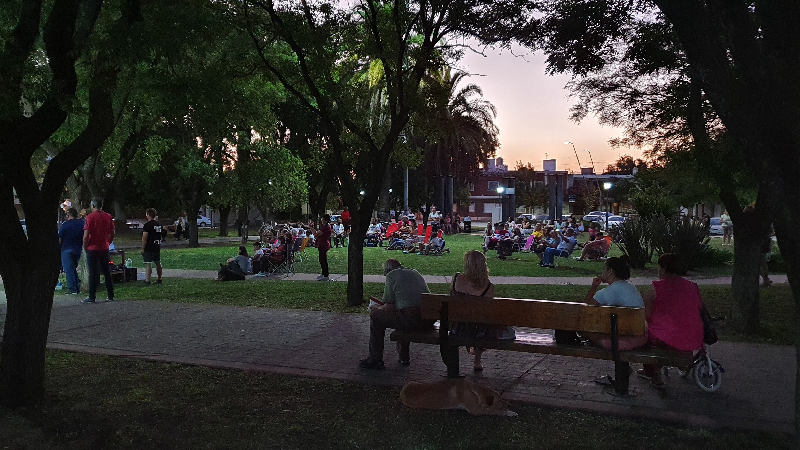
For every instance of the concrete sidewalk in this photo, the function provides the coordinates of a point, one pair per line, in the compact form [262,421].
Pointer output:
[338,277]
[758,390]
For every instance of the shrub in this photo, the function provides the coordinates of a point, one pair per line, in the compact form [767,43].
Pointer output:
[635,242]
[680,235]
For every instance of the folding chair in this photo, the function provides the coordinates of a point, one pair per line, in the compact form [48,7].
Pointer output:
[302,250]
[284,267]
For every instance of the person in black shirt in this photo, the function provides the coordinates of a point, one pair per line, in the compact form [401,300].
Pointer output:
[151,245]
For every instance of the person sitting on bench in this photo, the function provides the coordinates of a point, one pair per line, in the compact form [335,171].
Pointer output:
[475,281]
[673,314]
[398,309]
[620,292]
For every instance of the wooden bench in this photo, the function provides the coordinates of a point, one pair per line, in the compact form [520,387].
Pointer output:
[546,314]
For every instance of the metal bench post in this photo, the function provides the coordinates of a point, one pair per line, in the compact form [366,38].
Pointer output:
[622,370]
[449,352]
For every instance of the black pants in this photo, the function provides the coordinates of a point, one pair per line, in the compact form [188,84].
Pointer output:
[403,319]
[97,262]
[323,261]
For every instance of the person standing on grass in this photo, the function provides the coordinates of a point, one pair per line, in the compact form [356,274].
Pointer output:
[98,232]
[151,245]
[70,237]
[323,238]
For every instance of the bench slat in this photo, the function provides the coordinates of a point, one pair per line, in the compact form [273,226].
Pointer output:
[534,313]
[533,342]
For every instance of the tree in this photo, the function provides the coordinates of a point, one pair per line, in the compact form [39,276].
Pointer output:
[334,53]
[529,193]
[31,111]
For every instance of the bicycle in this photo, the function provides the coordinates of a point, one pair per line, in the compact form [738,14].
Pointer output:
[705,371]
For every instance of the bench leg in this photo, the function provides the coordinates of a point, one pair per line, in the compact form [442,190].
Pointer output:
[450,358]
[622,373]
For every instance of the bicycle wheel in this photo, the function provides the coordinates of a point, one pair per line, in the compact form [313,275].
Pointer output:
[708,375]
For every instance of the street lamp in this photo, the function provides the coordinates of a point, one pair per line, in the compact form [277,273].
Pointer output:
[576,153]
[590,157]
[606,186]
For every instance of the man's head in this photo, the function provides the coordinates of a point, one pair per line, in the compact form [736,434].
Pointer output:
[326,218]
[374,221]
[569,232]
[390,265]
[72,213]
[151,213]
[256,245]
[95,204]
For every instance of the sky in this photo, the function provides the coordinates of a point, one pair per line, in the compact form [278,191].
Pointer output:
[533,112]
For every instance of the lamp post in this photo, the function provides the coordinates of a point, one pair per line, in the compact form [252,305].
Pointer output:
[576,154]
[606,186]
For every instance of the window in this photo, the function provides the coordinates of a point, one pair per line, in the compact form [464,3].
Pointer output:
[493,186]
[472,207]
[491,207]
[471,187]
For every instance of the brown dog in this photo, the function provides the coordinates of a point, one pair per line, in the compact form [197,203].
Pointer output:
[455,394]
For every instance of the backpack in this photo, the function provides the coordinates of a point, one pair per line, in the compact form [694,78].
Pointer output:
[230,272]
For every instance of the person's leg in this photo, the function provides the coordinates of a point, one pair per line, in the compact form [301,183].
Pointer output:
[323,262]
[68,264]
[547,257]
[380,320]
[159,270]
[148,271]
[94,273]
[106,269]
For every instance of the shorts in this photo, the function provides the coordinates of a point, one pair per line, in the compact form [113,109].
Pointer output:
[151,256]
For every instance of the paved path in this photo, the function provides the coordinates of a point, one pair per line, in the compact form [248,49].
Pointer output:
[758,390]
[337,277]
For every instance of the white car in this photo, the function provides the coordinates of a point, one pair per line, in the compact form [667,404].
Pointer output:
[716,226]
[203,221]
[135,224]
[615,221]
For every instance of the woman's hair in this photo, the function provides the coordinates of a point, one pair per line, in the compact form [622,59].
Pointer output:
[672,263]
[620,266]
[475,269]
[243,250]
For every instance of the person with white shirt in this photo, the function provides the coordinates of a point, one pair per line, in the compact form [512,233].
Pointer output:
[374,233]
[338,233]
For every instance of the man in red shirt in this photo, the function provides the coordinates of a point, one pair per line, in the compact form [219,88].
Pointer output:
[98,233]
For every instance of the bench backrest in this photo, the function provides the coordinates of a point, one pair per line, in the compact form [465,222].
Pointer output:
[534,313]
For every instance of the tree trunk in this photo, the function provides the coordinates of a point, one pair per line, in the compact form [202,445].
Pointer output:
[242,213]
[744,282]
[224,213]
[355,258]
[30,272]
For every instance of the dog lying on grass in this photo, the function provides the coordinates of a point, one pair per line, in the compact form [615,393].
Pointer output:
[455,394]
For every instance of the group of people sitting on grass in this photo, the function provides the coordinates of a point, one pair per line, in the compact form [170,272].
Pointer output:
[411,238]
[672,309]
[546,241]
[266,255]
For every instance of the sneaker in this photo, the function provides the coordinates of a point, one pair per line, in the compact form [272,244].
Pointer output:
[321,278]
[146,283]
[371,364]
[74,293]
[87,300]
[111,299]
[158,281]
[404,362]
[260,274]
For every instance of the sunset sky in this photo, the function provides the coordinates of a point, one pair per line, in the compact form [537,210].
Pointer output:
[533,112]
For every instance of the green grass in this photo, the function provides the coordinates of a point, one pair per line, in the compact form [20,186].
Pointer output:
[777,307]
[519,264]
[104,402]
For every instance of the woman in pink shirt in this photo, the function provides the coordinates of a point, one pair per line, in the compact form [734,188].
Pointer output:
[673,313]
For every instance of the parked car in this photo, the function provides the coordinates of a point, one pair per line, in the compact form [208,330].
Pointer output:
[528,217]
[716,226]
[24,226]
[615,221]
[135,224]
[203,221]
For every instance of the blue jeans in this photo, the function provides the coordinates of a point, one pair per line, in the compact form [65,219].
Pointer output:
[97,261]
[550,255]
[69,262]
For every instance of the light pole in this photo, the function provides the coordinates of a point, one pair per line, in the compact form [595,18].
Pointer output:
[606,186]
[597,180]
[576,154]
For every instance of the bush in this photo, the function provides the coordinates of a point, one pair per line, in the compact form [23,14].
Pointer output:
[680,235]
[635,242]
[713,257]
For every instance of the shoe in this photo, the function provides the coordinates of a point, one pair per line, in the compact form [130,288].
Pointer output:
[262,274]
[655,380]
[477,368]
[404,362]
[322,278]
[74,293]
[87,300]
[371,364]
[146,283]
[158,281]
[110,299]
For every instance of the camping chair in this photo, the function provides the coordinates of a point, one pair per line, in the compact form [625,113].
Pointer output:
[284,267]
[435,250]
[302,250]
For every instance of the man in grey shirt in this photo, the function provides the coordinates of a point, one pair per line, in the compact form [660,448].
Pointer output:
[399,309]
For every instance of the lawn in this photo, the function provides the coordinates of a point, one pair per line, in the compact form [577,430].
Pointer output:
[104,402]
[519,264]
[777,307]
